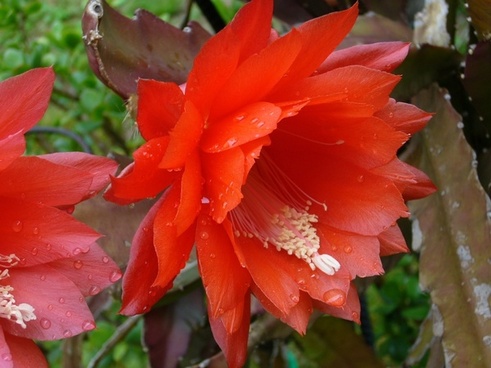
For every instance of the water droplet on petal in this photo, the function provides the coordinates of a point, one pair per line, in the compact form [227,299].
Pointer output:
[7,357]
[220,311]
[115,276]
[34,251]
[50,307]
[301,282]
[105,259]
[48,247]
[81,299]
[42,277]
[204,235]
[45,323]
[61,300]
[152,293]
[35,230]
[17,226]
[67,333]
[94,290]
[78,264]
[70,209]
[88,325]
[335,297]
[355,316]
[68,313]
[294,298]
[360,179]
[77,251]
[347,249]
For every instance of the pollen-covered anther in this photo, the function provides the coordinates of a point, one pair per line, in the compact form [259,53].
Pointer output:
[298,237]
[20,313]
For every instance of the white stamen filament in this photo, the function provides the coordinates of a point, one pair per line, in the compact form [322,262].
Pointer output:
[8,308]
[275,211]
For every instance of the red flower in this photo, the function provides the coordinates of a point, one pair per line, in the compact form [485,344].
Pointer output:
[279,161]
[48,260]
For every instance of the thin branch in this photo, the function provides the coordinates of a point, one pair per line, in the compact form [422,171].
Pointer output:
[67,133]
[116,337]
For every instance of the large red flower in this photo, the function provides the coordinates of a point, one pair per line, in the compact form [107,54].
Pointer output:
[48,261]
[278,159]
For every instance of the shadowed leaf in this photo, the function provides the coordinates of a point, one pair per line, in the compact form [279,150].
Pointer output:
[455,233]
[424,66]
[477,80]
[122,50]
[371,27]
[169,329]
[332,342]
[480,13]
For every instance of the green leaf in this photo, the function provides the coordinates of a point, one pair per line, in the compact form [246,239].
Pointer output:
[332,342]
[454,232]
[13,58]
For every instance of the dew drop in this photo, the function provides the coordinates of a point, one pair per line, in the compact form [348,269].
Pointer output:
[260,124]
[48,247]
[45,323]
[35,231]
[355,316]
[347,249]
[70,209]
[232,142]
[42,277]
[81,299]
[77,251]
[67,333]
[50,307]
[7,357]
[88,325]
[78,264]
[34,251]
[115,276]
[68,314]
[334,248]
[94,290]
[105,259]
[335,297]
[294,298]
[89,276]
[152,293]
[240,117]
[17,226]
[301,282]
[145,307]
[391,114]
[61,300]
[213,255]
[145,229]
[220,311]
[360,179]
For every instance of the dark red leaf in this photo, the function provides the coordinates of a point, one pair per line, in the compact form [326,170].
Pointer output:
[122,50]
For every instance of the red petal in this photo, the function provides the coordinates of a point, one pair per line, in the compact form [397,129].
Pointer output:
[41,181]
[328,31]
[353,83]
[183,138]
[144,178]
[250,123]
[160,105]
[242,89]
[98,167]
[384,56]
[11,148]
[91,271]
[226,281]
[138,296]
[358,254]
[24,99]
[225,175]
[297,317]
[190,199]
[233,345]
[252,151]
[172,249]
[273,280]
[404,117]
[60,308]
[349,311]
[392,241]
[40,234]
[25,353]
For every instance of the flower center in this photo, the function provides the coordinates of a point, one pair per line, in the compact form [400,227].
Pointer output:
[8,308]
[276,211]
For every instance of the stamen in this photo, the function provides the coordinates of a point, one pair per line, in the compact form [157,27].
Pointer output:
[275,211]
[8,309]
